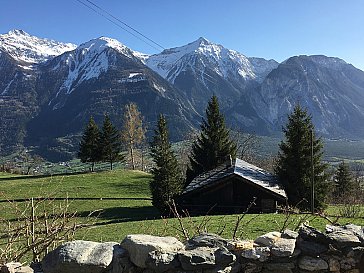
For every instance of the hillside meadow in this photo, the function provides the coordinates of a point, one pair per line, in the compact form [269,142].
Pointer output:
[115,203]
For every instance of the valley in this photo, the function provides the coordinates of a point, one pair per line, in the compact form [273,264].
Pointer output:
[49,89]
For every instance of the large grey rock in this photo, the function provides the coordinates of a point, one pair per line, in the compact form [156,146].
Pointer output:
[311,248]
[312,264]
[79,257]
[139,246]
[268,239]
[289,234]
[223,257]
[357,230]
[206,258]
[161,262]
[283,247]
[257,253]
[207,240]
[312,235]
[121,262]
[197,259]
[344,238]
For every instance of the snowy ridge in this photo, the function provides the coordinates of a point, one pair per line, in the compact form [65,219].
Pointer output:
[262,67]
[88,61]
[226,63]
[30,49]
[99,44]
[141,56]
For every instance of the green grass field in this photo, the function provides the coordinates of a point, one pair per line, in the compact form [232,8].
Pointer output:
[5,175]
[111,184]
[122,201]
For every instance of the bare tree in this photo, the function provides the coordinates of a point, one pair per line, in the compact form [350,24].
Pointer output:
[133,131]
[247,145]
[39,225]
[30,162]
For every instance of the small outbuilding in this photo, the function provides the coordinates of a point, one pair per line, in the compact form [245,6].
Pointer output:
[231,188]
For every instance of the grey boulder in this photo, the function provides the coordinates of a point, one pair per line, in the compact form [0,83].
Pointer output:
[197,259]
[140,245]
[80,257]
[312,264]
[261,253]
[207,240]
[161,262]
[283,247]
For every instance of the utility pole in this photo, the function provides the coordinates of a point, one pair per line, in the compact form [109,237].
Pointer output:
[312,177]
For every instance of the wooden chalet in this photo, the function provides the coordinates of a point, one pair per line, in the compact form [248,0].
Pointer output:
[230,188]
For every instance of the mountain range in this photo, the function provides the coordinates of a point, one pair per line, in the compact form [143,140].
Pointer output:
[49,89]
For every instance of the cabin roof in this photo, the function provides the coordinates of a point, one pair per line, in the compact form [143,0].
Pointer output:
[242,169]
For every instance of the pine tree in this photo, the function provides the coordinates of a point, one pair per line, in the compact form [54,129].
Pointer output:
[214,144]
[344,183]
[294,166]
[133,132]
[167,180]
[110,142]
[90,144]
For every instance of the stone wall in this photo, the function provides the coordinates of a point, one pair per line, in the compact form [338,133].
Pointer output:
[339,249]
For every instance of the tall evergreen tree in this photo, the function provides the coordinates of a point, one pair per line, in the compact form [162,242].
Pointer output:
[214,144]
[167,179]
[110,142]
[90,144]
[344,182]
[294,166]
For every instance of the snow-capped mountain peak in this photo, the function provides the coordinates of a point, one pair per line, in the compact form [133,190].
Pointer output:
[225,62]
[102,43]
[89,60]
[30,49]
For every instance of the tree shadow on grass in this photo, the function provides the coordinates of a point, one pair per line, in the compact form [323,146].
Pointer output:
[124,214]
[133,184]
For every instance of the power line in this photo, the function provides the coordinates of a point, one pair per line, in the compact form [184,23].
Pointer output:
[124,26]
[115,23]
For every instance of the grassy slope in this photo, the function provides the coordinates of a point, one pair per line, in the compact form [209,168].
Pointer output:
[126,215]
[115,184]
[3,175]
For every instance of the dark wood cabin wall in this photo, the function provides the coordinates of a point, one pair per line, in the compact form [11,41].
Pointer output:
[232,195]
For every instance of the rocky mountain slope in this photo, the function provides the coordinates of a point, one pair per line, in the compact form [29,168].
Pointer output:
[203,68]
[331,89]
[98,77]
[258,94]
[24,47]
[48,89]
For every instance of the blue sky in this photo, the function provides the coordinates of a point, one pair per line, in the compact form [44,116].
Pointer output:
[273,29]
